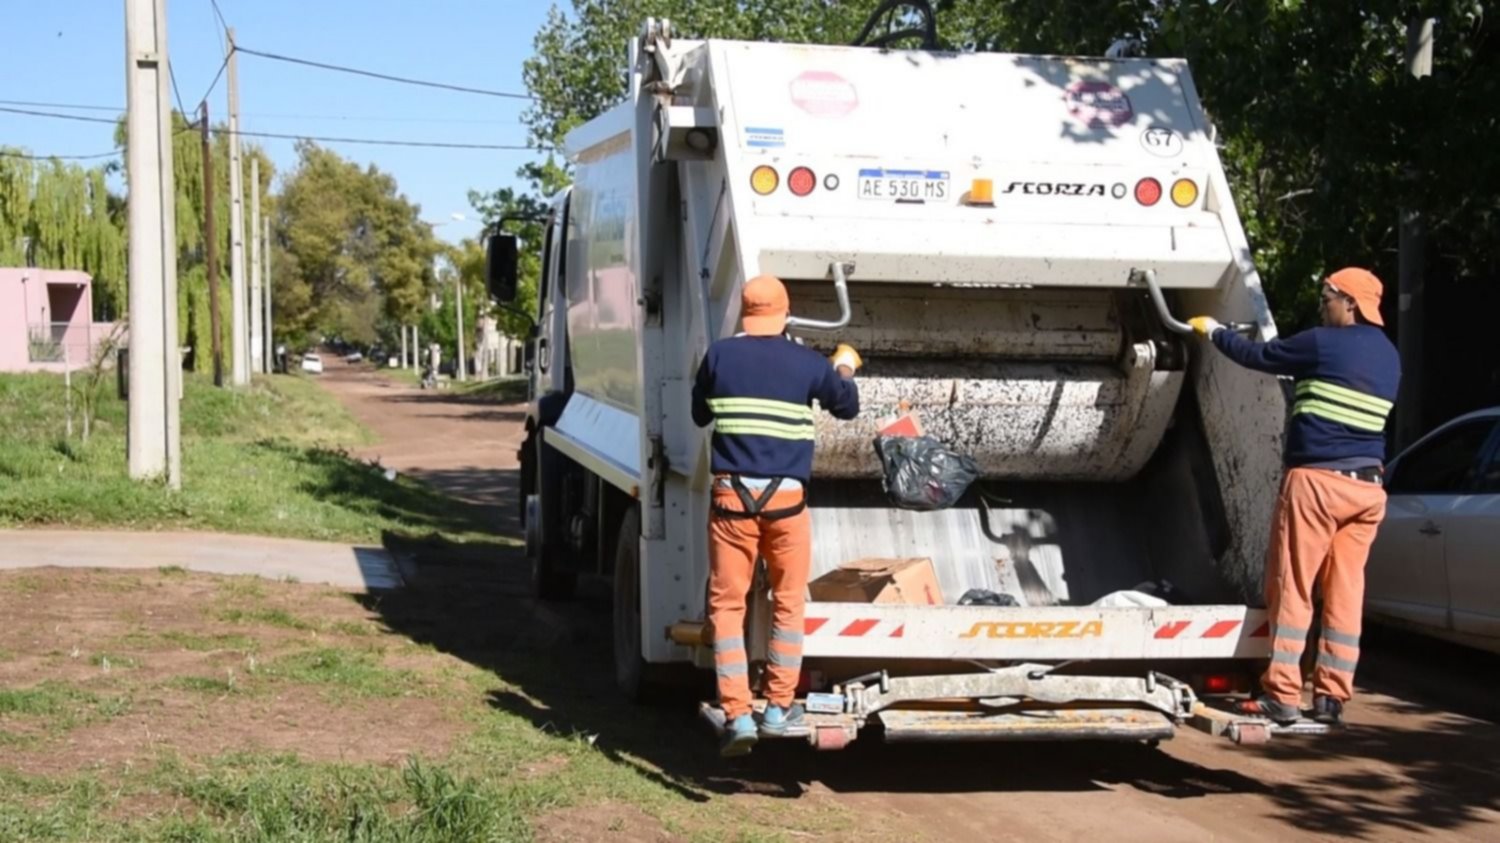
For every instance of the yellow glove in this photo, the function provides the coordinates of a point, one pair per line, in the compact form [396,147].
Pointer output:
[845,355]
[1205,326]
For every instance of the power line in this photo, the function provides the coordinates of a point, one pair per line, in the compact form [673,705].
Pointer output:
[113,108]
[385,76]
[276,135]
[354,118]
[4,153]
[383,141]
[217,76]
[357,118]
[218,13]
[172,72]
[79,117]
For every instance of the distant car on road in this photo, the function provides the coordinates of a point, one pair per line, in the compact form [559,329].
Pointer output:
[1435,564]
[312,363]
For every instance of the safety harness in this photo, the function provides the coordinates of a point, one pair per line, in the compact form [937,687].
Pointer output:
[755,507]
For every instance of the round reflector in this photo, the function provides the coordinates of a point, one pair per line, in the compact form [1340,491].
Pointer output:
[1184,193]
[801,181]
[764,179]
[1148,191]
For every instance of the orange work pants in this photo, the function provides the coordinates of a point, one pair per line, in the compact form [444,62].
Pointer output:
[734,546]
[1320,536]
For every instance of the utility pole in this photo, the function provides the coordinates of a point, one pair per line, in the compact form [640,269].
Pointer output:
[239,350]
[270,343]
[1412,302]
[257,353]
[211,246]
[153,446]
[458,292]
[403,345]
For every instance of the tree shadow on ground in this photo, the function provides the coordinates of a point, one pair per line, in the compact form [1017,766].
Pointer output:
[336,478]
[553,668]
[1436,773]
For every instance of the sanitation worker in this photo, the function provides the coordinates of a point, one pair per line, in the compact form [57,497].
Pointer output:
[1332,498]
[757,389]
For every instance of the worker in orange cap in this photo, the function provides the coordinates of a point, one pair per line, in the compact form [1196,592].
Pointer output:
[1332,498]
[757,389]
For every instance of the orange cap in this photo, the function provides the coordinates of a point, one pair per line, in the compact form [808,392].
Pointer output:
[1362,286]
[764,306]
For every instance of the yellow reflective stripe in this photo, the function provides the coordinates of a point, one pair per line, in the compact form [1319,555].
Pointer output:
[1334,392]
[763,407]
[1342,415]
[758,427]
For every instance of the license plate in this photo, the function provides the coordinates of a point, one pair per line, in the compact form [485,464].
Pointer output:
[903,185]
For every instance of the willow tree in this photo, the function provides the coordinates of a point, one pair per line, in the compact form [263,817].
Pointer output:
[57,215]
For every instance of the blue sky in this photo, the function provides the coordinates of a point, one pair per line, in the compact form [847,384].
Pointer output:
[73,51]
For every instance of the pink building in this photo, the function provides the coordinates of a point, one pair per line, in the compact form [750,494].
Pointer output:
[46,320]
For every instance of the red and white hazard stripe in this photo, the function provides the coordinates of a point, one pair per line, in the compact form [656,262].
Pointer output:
[853,627]
[862,630]
[1206,628]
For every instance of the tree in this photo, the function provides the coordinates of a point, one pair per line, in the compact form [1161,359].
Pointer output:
[350,239]
[56,215]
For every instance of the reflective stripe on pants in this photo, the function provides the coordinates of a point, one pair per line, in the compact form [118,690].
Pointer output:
[734,545]
[1320,536]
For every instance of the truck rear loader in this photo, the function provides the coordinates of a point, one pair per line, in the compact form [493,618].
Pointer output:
[1004,238]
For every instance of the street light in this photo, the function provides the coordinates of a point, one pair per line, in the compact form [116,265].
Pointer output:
[459,369]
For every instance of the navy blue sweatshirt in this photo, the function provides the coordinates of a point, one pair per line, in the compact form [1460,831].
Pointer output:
[1346,386]
[758,392]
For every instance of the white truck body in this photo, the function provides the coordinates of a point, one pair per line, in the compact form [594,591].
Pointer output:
[1017,330]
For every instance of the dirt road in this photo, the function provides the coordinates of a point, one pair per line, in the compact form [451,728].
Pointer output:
[1416,762]
[463,446]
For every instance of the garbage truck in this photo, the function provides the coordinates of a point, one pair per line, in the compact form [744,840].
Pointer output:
[1006,239]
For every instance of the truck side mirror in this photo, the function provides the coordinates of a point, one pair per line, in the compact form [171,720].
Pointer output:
[500,272]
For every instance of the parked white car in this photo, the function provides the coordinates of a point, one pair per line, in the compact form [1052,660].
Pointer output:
[312,363]
[1435,564]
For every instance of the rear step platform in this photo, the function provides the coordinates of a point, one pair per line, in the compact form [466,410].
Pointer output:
[834,731]
[1217,718]
[824,731]
[1045,724]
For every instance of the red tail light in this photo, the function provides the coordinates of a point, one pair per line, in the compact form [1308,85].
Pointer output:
[801,181]
[1218,683]
[1148,191]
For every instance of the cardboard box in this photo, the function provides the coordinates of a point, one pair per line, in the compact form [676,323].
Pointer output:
[908,581]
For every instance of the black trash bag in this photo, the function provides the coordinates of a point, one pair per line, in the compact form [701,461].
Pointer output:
[985,597]
[922,474]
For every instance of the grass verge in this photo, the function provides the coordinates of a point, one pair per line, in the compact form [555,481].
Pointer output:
[267,460]
[454,715]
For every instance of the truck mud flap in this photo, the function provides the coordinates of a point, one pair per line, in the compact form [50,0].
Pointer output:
[1247,730]
[1114,724]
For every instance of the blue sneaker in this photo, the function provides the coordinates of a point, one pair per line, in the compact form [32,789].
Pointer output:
[739,737]
[778,721]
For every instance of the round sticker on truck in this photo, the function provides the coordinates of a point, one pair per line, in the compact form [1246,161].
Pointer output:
[823,93]
[1098,104]
[1165,143]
